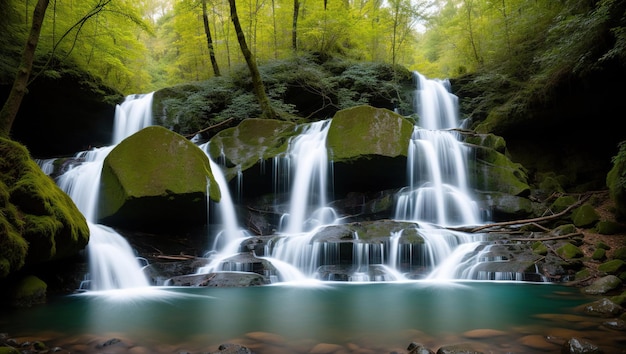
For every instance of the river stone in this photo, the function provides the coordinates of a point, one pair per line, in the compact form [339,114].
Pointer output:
[580,346]
[155,179]
[602,308]
[603,285]
[364,130]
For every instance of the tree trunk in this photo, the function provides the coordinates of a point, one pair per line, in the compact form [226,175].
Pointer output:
[294,26]
[209,40]
[19,89]
[258,86]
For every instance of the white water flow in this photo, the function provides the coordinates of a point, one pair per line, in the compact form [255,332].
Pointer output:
[231,235]
[112,263]
[308,159]
[307,177]
[438,193]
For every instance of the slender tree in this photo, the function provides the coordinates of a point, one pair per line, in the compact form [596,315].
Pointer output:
[209,40]
[257,82]
[294,26]
[19,89]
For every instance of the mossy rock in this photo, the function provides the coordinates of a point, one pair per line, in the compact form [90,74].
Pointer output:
[562,203]
[599,254]
[564,229]
[585,216]
[540,248]
[490,141]
[614,266]
[252,141]
[569,251]
[606,227]
[491,170]
[29,291]
[155,178]
[620,253]
[364,131]
[40,222]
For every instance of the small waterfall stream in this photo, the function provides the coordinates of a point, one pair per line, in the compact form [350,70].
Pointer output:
[112,262]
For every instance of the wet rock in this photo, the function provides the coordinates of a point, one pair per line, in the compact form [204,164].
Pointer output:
[580,346]
[537,342]
[462,348]
[230,348]
[326,348]
[603,285]
[602,308]
[418,348]
[484,333]
[159,273]
[220,279]
[616,324]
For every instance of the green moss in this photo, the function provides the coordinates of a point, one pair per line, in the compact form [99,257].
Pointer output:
[365,130]
[614,266]
[540,248]
[253,140]
[152,170]
[493,171]
[39,221]
[585,216]
[569,251]
[28,291]
[562,203]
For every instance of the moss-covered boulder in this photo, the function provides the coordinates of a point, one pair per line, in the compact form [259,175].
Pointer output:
[364,131]
[29,291]
[155,179]
[252,141]
[491,170]
[38,221]
[585,216]
[365,144]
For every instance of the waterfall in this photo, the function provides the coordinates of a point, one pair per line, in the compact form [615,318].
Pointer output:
[437,191]
[231,235]
[112,263]
[308,159]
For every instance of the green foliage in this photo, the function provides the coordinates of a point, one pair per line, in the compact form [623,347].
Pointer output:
[296,86]
[619,161]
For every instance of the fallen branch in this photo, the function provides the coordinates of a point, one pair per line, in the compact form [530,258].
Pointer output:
[549,238]
[524,221]
[209,128]
[182,257]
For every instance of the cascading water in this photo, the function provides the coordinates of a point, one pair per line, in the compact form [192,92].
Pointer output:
[112,263]
[308,159]
[437,193]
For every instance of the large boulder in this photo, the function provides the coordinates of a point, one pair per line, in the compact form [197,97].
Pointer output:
[156,180]
[38,221]
[363,131]
[366,143]
[252,141]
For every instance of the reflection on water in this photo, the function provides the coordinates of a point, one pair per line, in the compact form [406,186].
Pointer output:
[376,316]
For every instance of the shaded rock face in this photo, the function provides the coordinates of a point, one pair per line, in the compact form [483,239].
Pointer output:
[50,125]
[154,179]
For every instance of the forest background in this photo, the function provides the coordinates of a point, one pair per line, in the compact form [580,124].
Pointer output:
[140,46]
